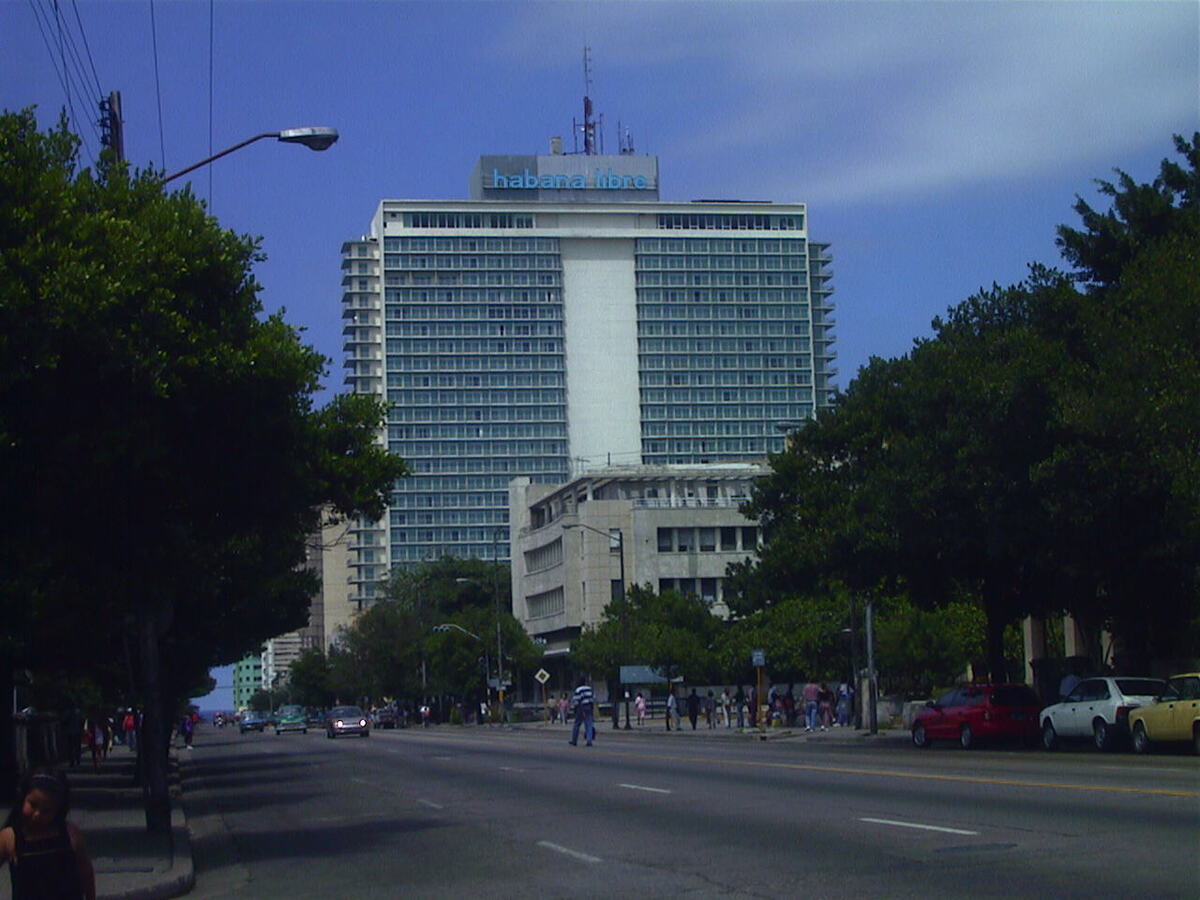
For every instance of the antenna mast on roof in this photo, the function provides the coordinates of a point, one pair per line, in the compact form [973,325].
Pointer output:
[588,128]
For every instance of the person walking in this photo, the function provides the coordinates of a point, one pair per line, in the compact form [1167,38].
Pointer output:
[739,699]
[584,702]
[693,706]
[812,702]
[639,704]
[843,705]
[725,710]
[710,710]
[672,709]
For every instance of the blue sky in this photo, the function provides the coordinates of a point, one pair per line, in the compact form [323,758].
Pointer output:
[937,144]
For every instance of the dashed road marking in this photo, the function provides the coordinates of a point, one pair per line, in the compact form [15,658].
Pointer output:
[510,769]
[567,851]
[642,787]
[430,804]
[940,828]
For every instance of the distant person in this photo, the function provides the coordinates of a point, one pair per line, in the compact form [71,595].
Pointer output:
[672,709]
[693,707]
[130,724]
[584,702]
[825,712]
[73,736]
[739,699]
[187,730]
[563,703]
[812,704]
[725,707]
[710,710]
[45,852]
[639,704]
[844,705]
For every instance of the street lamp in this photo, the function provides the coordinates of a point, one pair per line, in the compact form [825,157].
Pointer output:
[450,626]
[624,611]
[314,138]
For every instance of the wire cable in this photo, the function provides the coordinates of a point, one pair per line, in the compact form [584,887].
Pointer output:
[87,49]
[162,144]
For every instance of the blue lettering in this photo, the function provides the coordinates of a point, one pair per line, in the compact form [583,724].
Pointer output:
[578,182]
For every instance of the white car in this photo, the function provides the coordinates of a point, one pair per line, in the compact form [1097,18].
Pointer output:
[1098,709]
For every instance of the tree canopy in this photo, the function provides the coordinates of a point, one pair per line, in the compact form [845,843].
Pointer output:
[161,456]
[1038,454]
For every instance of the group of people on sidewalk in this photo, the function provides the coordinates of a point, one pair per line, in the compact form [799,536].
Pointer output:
[819,707]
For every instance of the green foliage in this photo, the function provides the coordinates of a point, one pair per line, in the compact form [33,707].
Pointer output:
[802,638]
[673,632]
[920,651]
[1037,455]
[310,679]
[158,443]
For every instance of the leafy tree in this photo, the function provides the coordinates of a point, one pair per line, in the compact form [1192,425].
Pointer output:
[161,461]
[309,679]
[1038,453]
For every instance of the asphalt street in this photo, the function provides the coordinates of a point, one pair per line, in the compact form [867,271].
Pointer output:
[493,812]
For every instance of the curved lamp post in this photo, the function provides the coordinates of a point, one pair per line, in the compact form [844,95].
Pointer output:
[314,138]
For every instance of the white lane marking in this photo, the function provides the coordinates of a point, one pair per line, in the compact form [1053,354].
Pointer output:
[642,787]
[510,769]
[567,851]
[918,825]
[430,804]
[360,780]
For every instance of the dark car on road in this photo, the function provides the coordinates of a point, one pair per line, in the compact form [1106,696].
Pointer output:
[978,712]
[251,721]
[347,720]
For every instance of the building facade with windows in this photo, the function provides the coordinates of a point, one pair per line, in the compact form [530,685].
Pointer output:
[577,545]
[563,318]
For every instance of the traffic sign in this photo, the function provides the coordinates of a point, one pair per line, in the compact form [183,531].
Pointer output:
[542,676]
[758,658]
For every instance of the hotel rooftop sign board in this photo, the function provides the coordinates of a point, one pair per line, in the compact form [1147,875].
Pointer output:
[590,179]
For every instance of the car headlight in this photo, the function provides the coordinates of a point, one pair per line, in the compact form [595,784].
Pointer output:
[362,723]
[338,723]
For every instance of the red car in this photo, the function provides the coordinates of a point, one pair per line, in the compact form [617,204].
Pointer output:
[975,712]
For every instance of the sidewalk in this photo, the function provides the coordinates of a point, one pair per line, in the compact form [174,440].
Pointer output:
[657,728]
[130,864]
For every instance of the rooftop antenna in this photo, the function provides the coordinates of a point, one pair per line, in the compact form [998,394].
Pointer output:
[588,128]
[624,141]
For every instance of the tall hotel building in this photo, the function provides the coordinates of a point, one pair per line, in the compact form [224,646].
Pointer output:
[565,318]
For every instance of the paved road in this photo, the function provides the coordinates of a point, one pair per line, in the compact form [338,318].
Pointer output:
[491,813]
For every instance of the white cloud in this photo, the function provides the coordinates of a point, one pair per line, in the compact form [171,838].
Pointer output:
[885,100]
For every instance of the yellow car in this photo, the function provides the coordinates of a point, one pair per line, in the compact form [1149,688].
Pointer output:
[1175,717]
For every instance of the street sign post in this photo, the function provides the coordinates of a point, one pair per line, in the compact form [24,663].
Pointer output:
[758,659]
[542,677]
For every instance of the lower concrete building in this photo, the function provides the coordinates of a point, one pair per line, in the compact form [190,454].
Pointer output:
[576,545]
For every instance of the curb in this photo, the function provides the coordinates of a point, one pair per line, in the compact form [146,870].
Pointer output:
[180,876]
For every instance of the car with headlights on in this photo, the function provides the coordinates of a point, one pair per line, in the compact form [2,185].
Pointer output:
[977,712]
[291,718]
[347,720]
[1174,718]
[1098,709]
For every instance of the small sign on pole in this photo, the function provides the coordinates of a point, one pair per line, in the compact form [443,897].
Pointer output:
[542,676]
[758,658]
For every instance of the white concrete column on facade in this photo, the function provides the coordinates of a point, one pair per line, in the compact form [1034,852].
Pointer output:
[600,333]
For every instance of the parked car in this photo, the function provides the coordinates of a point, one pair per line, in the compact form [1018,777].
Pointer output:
[290,718]
[975,712]
[251,721]
[1175,717]
[347,720]
[1098,709]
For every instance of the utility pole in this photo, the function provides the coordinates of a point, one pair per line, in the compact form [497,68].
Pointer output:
[872,690]
[112,127]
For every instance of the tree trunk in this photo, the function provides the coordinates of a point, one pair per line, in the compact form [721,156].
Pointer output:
[997,667]
[155,729]
[8,729]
